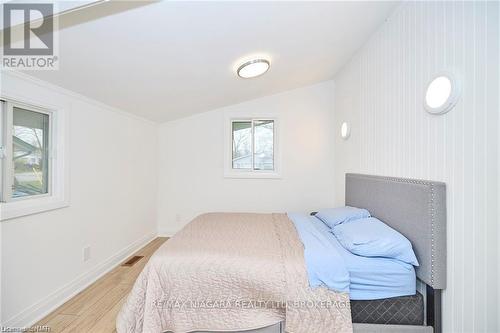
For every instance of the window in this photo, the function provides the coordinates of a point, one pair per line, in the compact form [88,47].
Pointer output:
[32,180]
[30,157]
[26,147]
[253,148]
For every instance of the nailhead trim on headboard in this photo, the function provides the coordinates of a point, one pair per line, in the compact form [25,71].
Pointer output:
[431,205]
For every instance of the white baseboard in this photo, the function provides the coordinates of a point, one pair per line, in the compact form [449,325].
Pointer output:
[37,311]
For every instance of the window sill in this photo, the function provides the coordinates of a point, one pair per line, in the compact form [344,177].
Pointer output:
[253,175]
[15,209]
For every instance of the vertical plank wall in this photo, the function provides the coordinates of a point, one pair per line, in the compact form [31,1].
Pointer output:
[380,93]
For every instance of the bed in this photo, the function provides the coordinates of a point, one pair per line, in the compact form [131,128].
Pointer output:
[417,209]
[260,257]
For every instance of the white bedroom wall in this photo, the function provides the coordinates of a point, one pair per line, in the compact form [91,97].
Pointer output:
[113,158]
[380,93]
[191,179]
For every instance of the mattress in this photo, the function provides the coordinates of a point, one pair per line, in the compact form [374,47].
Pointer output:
[404,310]
[373,278]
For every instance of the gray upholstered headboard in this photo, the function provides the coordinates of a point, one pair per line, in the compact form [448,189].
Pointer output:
[415,208]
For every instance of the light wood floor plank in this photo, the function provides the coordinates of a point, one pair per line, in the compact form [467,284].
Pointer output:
[88,298]
[92,315]
[107,323]
[59,322]
[95,308]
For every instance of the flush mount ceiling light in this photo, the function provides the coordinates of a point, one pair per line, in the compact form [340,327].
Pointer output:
[253,68]
[442,93]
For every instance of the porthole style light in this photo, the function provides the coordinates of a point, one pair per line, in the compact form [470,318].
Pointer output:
[442,93]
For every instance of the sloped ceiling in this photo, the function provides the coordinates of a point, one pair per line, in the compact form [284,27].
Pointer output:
[167,60]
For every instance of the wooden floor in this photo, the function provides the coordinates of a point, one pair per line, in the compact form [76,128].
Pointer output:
[95,308]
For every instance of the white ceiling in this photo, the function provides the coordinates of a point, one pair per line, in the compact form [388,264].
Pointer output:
[168,60]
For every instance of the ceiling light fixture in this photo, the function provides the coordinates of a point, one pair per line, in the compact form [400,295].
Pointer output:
[253,68]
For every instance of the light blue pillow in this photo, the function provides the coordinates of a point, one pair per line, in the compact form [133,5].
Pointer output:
[333,216]
[371,237]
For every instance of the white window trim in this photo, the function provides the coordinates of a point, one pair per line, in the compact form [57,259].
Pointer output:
[229,172]
[58,196]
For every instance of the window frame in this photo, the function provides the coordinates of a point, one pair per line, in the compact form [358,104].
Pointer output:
[6,190]
[57,195]
[229,171]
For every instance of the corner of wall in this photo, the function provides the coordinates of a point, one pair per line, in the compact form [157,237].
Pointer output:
[21,304]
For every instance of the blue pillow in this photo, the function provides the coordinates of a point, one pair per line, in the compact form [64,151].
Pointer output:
[371,237]
[333,216]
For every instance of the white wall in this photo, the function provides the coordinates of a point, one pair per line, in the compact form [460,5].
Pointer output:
[191,179]
[113,185]
[380,92]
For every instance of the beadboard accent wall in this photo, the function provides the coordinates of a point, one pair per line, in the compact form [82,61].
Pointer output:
[380,93]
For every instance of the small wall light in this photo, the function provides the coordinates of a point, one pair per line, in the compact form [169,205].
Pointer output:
[345,130]
[442,93]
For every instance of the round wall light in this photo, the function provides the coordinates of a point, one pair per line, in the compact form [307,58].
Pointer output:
[345,130]
[253,68]
[442,93]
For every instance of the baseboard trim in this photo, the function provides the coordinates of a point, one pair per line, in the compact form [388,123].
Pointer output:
[39,310]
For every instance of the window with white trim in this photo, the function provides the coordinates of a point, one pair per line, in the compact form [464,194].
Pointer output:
[253,146]
[32,180]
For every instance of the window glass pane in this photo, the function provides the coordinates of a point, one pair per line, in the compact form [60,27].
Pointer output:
[30,153]
[242,144]
[264,144]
